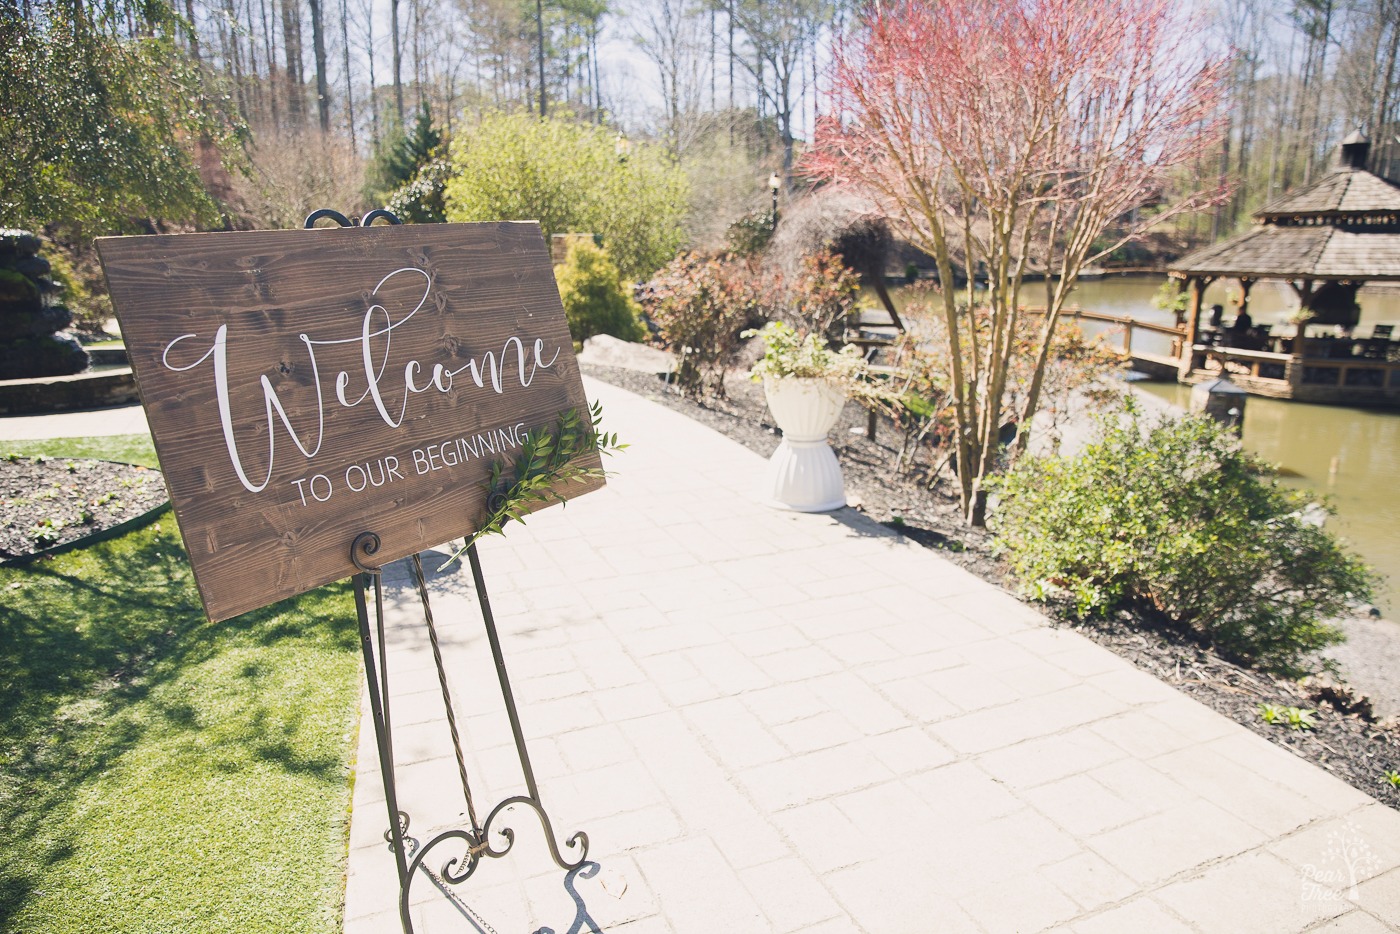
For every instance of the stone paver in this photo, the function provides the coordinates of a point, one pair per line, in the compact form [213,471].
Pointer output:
[778,722]
[768,721]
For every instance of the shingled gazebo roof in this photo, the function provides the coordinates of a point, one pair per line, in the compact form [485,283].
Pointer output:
[1341,193]
[1346,225]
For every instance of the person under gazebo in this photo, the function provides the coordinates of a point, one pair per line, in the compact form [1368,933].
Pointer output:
[1240,328]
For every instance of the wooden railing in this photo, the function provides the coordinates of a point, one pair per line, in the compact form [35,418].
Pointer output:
[1128,324]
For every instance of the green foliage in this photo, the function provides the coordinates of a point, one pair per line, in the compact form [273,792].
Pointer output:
[1295,718]
[423,200]
[548,459]
[750,234]
[96,123]
[1171,297]
[89,311]
[1173,519]
[151,762]
[595,301]
[570,178]
[1393,777]
[126,449]
[788,354]
[400,156]
[702,303]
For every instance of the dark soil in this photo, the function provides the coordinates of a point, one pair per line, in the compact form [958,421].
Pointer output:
[1346,740]
[46,502]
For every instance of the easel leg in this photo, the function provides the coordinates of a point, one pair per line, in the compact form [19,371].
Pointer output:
[409,855]
[378,681]
[579,839]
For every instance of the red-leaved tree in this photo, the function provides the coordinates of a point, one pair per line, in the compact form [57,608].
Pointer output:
[1018,136]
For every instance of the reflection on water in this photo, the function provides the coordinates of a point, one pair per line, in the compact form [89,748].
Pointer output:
[1351,456]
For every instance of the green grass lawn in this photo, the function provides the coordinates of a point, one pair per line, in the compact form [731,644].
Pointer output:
[130,449]
[159,773]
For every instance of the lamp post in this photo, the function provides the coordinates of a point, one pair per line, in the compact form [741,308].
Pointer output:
[774,183]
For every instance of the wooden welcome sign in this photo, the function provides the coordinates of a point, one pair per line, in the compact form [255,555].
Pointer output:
[304,386]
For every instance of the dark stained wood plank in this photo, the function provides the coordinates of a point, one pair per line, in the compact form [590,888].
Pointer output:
[288,377]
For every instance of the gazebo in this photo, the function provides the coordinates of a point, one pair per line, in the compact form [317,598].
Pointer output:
[1325,240]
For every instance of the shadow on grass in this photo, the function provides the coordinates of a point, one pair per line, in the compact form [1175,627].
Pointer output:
[89,642]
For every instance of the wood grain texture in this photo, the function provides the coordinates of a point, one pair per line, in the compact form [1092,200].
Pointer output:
[306,358]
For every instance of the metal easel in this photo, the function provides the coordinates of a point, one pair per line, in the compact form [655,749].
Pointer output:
[463,847]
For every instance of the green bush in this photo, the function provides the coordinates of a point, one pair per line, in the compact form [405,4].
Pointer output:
[571,178]
[1175,521]
[401,155]
[750,234]
[595,300]
[421,200]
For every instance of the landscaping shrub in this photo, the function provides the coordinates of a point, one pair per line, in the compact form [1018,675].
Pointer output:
[750,234]
[421,201]
[571,178]
[824,295]
[1174,520]
[701,304]
[401,155]
[595,300]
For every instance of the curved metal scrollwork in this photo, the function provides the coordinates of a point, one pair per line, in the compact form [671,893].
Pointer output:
[336,216]
[379,214]
[365,545]
[459,866]
[343,221]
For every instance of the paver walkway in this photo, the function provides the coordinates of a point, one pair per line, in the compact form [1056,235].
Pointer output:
[775,722]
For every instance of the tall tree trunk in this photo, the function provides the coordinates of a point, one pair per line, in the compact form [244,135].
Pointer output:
[1379,129]
[714,55]
[193,32]
[291,46]
[373,86]
[729,18]
[1320,81]
[323,88]
[419,73]
[1218,224]
[349,92]
[539,36]
[270,49]
[398,60]
[597,85]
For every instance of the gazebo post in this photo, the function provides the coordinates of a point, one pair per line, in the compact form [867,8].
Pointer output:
[1246,283]
[1304,288]
[1196,287]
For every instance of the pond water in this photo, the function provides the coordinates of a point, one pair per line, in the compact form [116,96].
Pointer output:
[1349,455]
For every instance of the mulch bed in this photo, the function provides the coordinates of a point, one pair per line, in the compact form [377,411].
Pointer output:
[49,502]
[1346,740]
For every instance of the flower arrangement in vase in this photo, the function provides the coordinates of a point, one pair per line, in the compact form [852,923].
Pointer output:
[806,384]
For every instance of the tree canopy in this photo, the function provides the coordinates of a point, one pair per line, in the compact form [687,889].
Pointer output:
[100,111]
[572,178]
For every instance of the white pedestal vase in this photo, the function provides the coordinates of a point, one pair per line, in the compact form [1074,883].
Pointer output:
[803,474]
